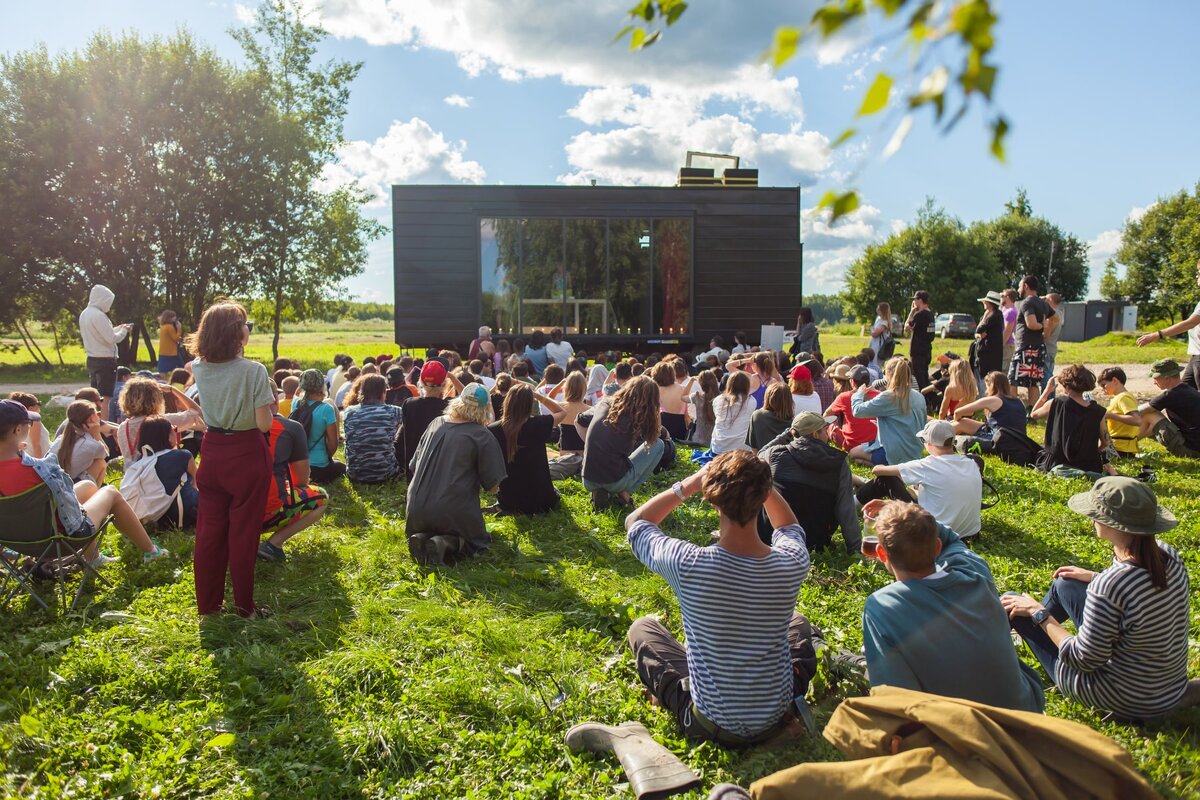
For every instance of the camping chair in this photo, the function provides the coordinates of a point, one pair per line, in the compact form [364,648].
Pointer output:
[30,530]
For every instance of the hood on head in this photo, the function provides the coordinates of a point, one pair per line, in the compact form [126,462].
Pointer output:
[101,297]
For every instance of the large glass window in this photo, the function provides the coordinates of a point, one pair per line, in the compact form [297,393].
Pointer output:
[589,276]
[672,275]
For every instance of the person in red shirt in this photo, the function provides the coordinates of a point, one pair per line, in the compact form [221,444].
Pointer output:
[852,431]
[18,474]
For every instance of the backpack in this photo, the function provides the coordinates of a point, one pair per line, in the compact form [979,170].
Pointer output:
[303,414]
[144,492]
[887,347]
[1015,447]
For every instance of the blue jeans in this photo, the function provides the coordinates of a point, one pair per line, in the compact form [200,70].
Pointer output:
[643,460]
[1051,356]
[1064,601]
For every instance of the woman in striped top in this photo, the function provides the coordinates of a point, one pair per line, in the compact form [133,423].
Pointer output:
[1130,653]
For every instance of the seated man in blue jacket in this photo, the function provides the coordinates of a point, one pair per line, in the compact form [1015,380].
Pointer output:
[940,627]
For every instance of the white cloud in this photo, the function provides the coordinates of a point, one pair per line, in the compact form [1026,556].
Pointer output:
[244,13]
[1104,246]
[458,101]
[829,250]
[410,152]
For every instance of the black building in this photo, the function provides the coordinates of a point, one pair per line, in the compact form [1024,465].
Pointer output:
[612,266]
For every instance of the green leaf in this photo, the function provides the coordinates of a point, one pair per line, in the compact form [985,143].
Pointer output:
[31,725]
[877,96]
[220,740]
[839,204]
[651,39]
[621,34]
[999,131]
[674,11]
[787,40]
[845,136]
[635,41]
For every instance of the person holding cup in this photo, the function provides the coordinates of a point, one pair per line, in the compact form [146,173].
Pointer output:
[940,627]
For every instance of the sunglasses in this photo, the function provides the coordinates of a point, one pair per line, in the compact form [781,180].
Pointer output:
[249,325]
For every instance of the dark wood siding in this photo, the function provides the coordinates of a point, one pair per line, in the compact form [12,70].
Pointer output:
[746,261]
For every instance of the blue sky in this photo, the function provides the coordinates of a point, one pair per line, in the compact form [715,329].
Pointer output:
[1100,95]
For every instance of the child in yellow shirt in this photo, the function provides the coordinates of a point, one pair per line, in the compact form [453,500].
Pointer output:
[1122,401]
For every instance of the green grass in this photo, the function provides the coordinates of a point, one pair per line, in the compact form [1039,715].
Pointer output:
[379,678]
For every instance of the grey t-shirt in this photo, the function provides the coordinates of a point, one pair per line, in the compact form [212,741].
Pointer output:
[230,391]
[452,463]
[87,449]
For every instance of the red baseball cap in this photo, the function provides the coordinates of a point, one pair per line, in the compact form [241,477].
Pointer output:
[800,373]
[433,373]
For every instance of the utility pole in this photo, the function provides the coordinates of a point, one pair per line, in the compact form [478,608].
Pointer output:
[1050,266]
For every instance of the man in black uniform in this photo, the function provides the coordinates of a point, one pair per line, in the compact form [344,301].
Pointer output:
[920,325]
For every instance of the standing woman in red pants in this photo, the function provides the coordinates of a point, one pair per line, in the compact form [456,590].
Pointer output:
[235,462]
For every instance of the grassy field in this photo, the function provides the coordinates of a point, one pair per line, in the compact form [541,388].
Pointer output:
[378,678]
[315,346]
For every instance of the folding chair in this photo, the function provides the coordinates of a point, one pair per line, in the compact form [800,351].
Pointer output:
[29,529]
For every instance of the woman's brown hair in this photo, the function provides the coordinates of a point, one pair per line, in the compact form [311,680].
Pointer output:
[899,382]
[141,397]
[635,407]
[218,338]
[575,387]
[800,387]
[504,382]
[997,384]
[155,433]
[710,387]
[778,402]
[736,388]
[1077,378]
[767,366]
[517,410]
[78,414]
[1149,556]
[663,374]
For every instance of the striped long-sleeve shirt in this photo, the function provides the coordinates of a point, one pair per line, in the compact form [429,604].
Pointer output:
[1130,654]
[736,611]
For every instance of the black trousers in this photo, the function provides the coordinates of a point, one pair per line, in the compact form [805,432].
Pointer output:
[920,367]
[328,473]
[887,487]
[1191,373]
[661,663]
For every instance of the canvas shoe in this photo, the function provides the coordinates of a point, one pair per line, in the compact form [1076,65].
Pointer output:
[154,554]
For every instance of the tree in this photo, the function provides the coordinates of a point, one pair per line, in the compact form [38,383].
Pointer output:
[934,254]
[298,262]
[949,46]
[826,307]
[1110,285]
[1159,252]
[1023,244]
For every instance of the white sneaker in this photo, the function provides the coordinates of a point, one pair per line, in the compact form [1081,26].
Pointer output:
[154,554]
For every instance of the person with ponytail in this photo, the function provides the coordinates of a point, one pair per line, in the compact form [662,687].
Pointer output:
[81,452]
[709,387]
[1129,655]
[900,413]
[523,435]
[235,460]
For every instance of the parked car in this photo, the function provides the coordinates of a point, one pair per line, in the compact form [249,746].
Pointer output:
[954,325]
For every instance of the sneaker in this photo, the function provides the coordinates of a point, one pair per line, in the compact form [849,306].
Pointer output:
[600,499]
[154,554]
[102,560]
[271,552]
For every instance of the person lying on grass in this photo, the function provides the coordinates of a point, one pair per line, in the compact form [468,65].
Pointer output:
[940,628]
[1129,654]
[1172,418]
[749,653]
[81,508]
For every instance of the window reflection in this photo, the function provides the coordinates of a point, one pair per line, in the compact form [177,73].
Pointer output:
[499,260]
[672,275]
[629,275]
[586,301]
[542,281]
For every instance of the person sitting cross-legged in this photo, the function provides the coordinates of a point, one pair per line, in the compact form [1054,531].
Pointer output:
[1172,417]
[749,653]
[949,485]
[940,627]
[1129,654]
[370,425]
[814,477]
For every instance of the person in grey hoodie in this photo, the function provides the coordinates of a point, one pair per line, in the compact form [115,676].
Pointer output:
[100,339]
[814,478]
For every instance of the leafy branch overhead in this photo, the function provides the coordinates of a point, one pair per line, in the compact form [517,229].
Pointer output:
[949,45]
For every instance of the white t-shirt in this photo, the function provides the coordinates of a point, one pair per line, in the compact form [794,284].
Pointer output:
[1194,335]
[729,431]
[877,341]
[806,402]
[950,488]
[43,441]
[560,353]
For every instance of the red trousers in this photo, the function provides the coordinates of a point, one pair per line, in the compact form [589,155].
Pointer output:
[233,480]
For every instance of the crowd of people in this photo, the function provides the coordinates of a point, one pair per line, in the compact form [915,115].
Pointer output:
[773,436]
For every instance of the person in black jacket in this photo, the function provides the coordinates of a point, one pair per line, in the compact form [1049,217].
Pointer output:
[989,337]
[814,478]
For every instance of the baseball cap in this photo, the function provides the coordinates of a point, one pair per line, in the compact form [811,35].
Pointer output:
[13,413]
[1165,368]
[921,295]
[938,431]
[800,373]
[433,373]
[948,356]
[475,394]
[807,422]
[274,387]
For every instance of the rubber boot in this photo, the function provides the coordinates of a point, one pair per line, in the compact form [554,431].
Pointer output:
[653,770]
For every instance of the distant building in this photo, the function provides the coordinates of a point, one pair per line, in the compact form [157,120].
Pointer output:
[1091,318]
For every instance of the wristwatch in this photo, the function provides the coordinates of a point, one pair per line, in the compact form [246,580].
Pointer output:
[678,490]
[1039,616]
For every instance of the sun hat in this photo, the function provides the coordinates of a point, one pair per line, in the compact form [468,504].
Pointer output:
[475,394]
[800,373]
[312,381]
[1165,368]
[841,372]
[807,422]
[938,432]
[274,387]
[1123,504]
[992,297]
[433,373]
[13,413]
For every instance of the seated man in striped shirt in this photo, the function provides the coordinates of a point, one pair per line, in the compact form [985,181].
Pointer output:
[749,653]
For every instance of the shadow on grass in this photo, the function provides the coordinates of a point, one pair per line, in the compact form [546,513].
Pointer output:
[284,740]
